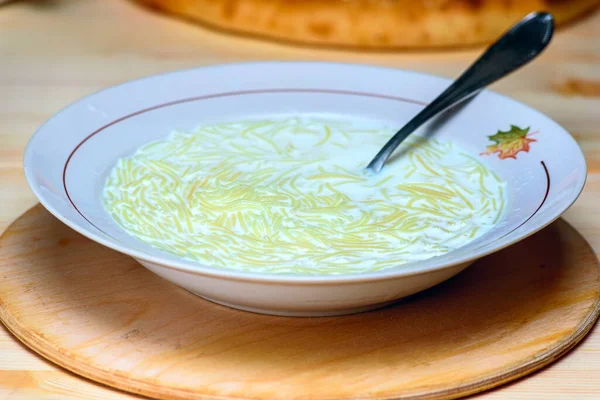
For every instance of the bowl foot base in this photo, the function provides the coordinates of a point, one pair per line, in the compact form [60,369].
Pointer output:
[300,313]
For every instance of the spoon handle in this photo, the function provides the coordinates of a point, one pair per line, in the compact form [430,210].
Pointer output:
[521,44]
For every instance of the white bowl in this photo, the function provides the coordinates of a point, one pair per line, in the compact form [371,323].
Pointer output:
[68,159]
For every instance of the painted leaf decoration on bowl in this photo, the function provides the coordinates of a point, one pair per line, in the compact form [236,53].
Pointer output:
[508,144]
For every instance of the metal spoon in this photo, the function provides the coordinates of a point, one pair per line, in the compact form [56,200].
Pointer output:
[519,45]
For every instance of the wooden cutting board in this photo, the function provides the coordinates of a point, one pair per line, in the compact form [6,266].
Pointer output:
[101,315]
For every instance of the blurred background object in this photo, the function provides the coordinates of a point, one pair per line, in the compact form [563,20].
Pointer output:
[375,24]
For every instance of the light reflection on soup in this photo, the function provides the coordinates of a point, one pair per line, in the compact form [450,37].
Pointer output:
[289,195]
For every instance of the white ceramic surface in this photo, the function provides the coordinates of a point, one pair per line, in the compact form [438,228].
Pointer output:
[69,158]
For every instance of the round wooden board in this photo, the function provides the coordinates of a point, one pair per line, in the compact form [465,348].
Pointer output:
[101,315]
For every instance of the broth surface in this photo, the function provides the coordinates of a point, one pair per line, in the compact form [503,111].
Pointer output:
[289,195]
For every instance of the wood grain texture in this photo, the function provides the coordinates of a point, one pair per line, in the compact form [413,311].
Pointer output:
[54,52]
[100,314]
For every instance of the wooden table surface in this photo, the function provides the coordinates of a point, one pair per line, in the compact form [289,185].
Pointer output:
[52,52]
